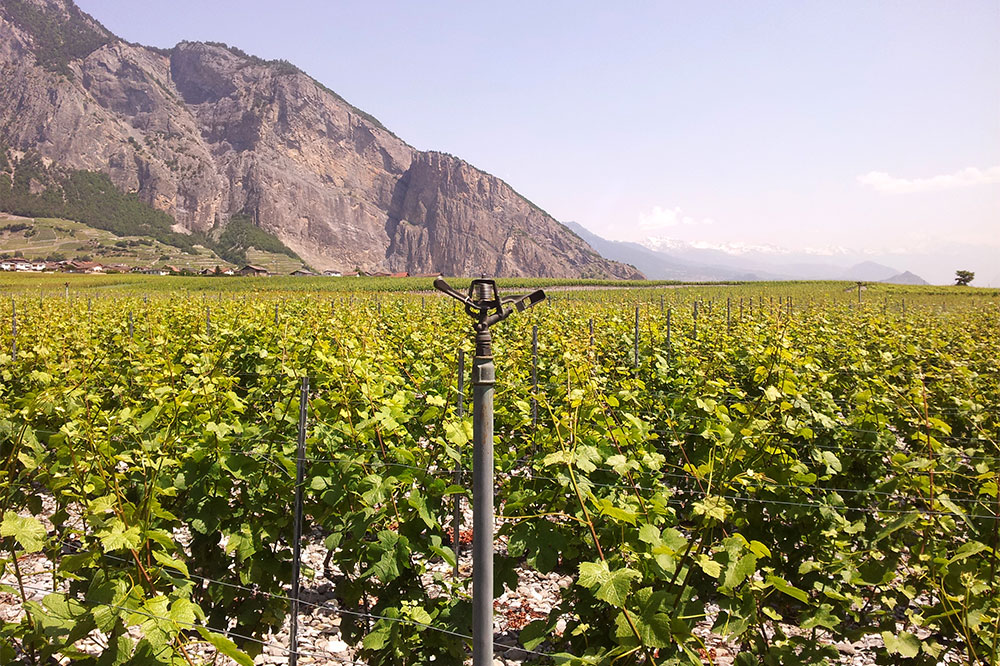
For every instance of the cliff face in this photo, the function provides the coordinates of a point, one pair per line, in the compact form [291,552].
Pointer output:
[204,132]
[445,213]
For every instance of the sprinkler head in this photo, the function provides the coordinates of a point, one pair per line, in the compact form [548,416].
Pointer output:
[483,293]
[484,304]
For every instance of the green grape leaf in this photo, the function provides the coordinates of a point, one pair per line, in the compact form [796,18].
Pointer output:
[28,531]
[611,586]
[783,586]
[169,562]
[904,644]
[225,646]
[119,537]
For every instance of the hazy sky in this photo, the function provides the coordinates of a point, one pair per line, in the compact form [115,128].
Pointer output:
[872,125]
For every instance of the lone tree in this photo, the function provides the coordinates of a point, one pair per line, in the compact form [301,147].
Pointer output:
[963,278]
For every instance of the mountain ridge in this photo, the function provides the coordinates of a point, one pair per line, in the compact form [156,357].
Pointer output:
[664,259]
[204,131]
[905,277]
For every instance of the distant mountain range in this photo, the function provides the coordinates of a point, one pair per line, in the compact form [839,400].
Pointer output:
[664,259]
[906,278]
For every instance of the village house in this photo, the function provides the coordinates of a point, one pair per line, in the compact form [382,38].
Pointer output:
[149,270]
[255,271]
[83,267]
[217,271]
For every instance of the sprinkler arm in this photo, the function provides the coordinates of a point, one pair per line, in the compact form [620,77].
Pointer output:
[446,288]
[519,304]
[525,302]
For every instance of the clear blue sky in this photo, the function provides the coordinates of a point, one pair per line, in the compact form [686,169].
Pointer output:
[872,125]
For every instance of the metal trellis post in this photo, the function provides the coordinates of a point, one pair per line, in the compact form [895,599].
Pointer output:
[534,375]
[670,312]
[635,345]
[13,328]
[456,516]
[300,469]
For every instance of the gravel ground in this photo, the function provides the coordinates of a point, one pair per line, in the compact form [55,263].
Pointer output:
[320,640]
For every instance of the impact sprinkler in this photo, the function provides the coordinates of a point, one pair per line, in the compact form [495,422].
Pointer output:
[484,304]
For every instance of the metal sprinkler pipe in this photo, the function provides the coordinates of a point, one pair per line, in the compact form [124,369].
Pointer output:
[483,380]
[485,306]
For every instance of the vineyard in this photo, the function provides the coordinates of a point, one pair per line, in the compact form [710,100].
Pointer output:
[781,470]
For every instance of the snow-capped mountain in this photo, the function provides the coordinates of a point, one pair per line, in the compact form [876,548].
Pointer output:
[667,258]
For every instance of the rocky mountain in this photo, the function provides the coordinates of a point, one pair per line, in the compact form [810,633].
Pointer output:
[205,132]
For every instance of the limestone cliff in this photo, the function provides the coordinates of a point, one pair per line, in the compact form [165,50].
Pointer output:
[204,131]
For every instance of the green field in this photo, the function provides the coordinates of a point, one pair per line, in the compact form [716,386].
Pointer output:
[757,473]
[67,239]
[644,290]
